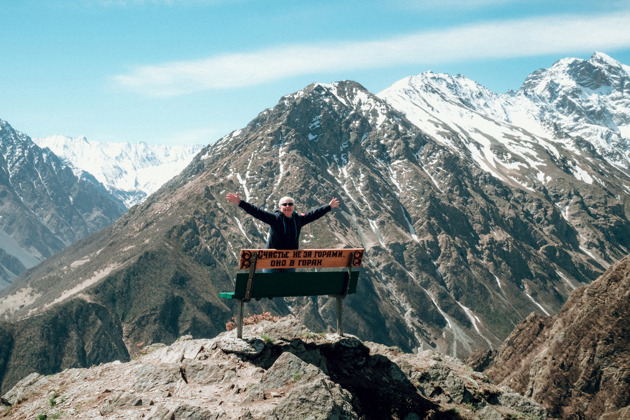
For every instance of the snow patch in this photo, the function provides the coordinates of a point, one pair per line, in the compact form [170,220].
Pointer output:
[412,231]
[459,335]
[240,226]
[281,153]
[499,283]
[566,280]
[537,304]
[378,234]
[581,174]
[475,321]
[243,183]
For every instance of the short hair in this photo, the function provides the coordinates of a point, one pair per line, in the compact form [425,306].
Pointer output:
[285,198]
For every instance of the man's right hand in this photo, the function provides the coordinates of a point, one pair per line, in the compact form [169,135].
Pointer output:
[233,198]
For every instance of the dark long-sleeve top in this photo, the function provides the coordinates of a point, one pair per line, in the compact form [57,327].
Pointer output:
[284,232]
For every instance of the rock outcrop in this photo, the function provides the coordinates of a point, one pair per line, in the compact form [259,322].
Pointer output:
[280,370]
[576,363]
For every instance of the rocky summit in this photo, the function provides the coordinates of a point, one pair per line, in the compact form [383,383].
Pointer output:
[280,370]
[576,363]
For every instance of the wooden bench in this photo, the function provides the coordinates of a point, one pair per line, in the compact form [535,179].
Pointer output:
[338,276]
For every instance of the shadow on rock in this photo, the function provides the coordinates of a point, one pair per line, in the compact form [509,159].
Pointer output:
[376,386]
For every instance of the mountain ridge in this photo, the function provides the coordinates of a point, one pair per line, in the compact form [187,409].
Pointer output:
[550,100]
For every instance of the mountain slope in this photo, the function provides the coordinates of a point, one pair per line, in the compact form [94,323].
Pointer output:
[43,206]
[469,223]
[130,171]
[576,362]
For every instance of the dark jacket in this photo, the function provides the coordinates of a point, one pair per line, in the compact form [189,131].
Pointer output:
[284,232]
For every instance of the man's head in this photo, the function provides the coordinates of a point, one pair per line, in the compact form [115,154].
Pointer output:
[287,206]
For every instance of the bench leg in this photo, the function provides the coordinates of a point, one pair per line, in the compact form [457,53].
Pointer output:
[239,320]
[340,316]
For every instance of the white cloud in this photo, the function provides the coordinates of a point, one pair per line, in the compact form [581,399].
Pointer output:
[564,34]
[453,4]
[140,3]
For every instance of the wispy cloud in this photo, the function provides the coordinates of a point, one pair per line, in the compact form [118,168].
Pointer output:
[560,34]
[453,4]
[136,3]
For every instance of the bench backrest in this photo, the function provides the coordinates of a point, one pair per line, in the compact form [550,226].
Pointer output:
[301,258]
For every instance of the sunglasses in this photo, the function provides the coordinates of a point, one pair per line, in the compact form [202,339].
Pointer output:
[286,204]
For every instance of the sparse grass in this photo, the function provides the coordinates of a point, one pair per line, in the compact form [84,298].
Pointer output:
[267,338]
[296,377]
[252,320]
[52,401]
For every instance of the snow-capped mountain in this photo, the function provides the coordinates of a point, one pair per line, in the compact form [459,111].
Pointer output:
[573,101]
[131,171]
[588,99]
[44,206]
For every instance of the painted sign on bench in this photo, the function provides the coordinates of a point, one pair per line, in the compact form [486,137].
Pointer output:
[301,258]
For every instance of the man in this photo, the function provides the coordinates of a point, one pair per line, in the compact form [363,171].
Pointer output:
[285,223]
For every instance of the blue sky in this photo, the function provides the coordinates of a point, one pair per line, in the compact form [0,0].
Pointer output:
[191,71]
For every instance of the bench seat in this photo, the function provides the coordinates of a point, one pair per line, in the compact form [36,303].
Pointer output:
[308,283]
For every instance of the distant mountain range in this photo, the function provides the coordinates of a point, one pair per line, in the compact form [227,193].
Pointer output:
[475,210]
[130,171]
[44,206]
[57,190]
